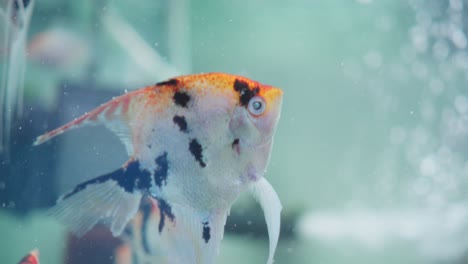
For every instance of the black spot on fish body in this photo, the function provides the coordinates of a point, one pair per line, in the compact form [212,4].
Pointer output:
[126,178]
[164,210]
[206,232]
[170,82]
[181,122]
[181,98]
[235,146]
[128,232]
[162,170]
[144,180]
[245,92]
[235,142]
[197,151]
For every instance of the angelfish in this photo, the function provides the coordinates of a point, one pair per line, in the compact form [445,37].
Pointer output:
[195,143]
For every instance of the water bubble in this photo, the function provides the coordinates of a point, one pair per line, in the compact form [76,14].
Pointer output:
[419,39]
[428,166]
[384,23]
[440,50]
[461,104]
[458,38]
[373,59]
[456,5]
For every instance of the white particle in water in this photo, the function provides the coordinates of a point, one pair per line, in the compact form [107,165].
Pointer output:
[440,50]
[419,39]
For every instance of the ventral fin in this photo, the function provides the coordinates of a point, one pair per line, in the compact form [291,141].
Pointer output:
[271,205]
[178,234]
[112,199]
[205,230]
[113,114]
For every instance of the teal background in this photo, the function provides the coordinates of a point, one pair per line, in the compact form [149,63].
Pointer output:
[370,155]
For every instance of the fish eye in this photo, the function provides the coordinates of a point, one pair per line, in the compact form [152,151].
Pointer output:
[256,106]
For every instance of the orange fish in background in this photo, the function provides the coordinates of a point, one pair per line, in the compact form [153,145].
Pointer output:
[59,48]
[195,144]
[31,258]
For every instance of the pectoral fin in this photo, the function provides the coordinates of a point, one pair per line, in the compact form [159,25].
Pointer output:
[112,199]
[271,205]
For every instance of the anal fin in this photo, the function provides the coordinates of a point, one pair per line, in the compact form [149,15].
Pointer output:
[112,199]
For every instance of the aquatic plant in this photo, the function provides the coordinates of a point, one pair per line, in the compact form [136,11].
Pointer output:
[15,17]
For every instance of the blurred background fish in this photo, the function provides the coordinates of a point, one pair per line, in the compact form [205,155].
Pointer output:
[31,258]
[59,48]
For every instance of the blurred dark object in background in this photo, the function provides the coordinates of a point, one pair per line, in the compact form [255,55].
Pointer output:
[28,175]
[97,246]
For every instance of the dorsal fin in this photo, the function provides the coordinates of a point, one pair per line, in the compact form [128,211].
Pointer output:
[113,114]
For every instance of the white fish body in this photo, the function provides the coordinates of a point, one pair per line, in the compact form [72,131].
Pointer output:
[195,143]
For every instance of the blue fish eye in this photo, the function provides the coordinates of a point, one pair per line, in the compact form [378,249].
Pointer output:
[256,105]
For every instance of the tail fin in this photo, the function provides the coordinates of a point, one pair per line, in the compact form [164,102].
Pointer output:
[112,199]
[114,114]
